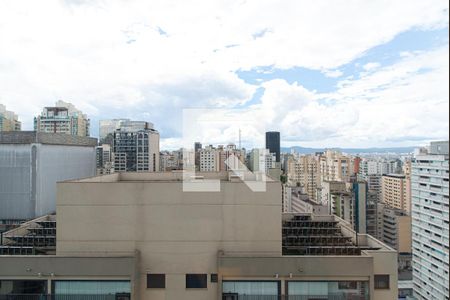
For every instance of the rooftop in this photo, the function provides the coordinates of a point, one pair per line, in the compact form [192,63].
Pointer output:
[309,234]
[172,176]
[400,176]
[34,137]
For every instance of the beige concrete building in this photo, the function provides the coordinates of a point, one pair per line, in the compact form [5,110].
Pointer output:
[394,192]
[158,242]
[9,121]
[397,229]
[334,166]
[305,172]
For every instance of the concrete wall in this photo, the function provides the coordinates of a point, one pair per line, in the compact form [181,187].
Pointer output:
[29,172]
[71,268]
[404,234]
[16,201]
[176,232]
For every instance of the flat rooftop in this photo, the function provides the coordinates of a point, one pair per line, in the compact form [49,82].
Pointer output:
[34,137]
[172,176]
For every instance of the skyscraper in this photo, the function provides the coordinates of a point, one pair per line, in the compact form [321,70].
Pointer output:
[430,222]
[273,143]
[65,118]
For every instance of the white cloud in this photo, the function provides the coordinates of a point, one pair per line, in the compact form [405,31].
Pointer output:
[152,58]
[403,103]
[333,73]
[371,66]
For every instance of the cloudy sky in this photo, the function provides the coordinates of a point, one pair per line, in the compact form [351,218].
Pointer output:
[337,73]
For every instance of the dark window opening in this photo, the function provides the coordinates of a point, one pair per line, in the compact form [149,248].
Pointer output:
[214,278]
[196,281]
[156,281]
[381,281]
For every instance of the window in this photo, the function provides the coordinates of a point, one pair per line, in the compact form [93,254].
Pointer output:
[347,285]
[214,278]
[196,281]
[381,281]
[156,281]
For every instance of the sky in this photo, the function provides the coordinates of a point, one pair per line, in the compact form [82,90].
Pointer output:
[336,73]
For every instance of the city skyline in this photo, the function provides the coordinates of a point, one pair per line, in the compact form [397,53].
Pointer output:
[352,84]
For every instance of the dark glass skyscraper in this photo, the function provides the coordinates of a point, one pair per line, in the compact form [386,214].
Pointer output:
[273,143]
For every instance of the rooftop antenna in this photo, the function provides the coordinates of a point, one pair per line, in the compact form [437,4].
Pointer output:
[240,139]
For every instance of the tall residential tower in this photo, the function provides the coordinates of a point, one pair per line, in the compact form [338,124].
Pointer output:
[64,118]
[430,222]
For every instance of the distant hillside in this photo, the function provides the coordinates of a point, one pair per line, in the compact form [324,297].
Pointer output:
[303,150]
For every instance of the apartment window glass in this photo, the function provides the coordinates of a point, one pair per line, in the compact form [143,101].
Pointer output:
[381,281]
[90,287]
[156,281]
[196,281]
[252,288]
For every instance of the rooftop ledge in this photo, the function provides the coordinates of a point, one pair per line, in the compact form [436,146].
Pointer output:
[174,176]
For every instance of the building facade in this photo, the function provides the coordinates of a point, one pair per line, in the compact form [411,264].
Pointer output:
[394,192]
[31,165]
[64,118]
[430,222]
[273,144]
[304,171]
[397,229]
[104,159]
[136,150]
[209,159]
[9,121]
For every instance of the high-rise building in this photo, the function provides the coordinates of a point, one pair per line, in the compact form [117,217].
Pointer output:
[351,205]
[305,172]
[430,222]
[394,192]
[9,121]
[231,158]
[261,160]
[397,229]
[64,118]
[108,127]
[334,166]
[273,143]
[31,164]
[136,148]
[209,159]
[105,159]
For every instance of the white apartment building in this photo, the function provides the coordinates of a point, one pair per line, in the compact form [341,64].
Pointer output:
[64,118]
[378,166]
[209,159]
[261,160]
[430,223]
